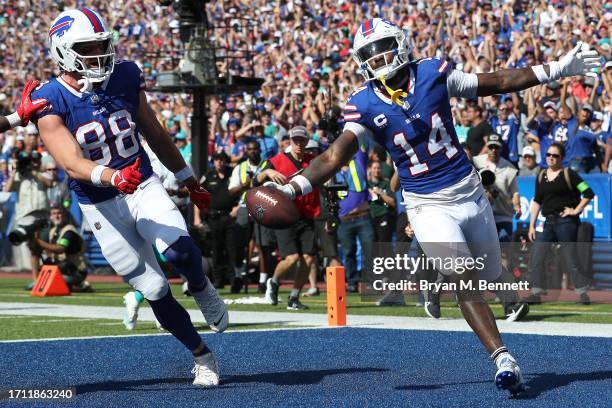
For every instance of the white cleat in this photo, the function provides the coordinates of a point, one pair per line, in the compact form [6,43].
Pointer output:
[130,316]
[206,371]
[509,377]
[213,308]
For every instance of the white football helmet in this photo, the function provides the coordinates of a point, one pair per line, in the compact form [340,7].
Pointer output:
[76,26]
[378,37]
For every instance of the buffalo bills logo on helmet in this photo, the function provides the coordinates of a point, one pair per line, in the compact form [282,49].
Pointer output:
[61,26]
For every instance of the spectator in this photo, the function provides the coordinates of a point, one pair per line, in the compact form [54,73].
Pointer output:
[529,167]
[561,194]
[508,128]
[297,243]
[582,147]
[479,131]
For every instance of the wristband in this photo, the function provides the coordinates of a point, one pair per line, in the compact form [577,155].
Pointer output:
[96,175]
[14,120]
[184,174]
[304,184]
[540,73]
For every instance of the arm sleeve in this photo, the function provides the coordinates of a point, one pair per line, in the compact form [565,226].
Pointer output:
[580,185]
[363,133]
[460,84]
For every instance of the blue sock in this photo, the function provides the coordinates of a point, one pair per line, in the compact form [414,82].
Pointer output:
[186,257]
[174,318]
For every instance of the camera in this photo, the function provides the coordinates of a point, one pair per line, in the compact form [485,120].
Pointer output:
[27,161]
[28,226]
[329,123]
[487,177]
[333,204]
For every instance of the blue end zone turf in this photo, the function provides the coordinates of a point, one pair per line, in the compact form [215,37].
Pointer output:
[329,367]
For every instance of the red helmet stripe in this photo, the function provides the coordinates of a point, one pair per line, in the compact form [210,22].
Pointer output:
[93,19]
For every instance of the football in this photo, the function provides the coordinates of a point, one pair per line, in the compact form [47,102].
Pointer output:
[271,208]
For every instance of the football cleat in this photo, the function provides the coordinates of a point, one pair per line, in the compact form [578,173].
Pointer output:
[516,311]
[213,308]
[508,377]
[130,316]
[392,298]
[432,304]
[271,292]
[206,370]
[295,304]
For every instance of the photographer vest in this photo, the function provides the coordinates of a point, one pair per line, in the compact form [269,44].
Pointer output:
[308,205]
[77,258]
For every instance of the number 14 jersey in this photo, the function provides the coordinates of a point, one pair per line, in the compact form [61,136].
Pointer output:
[103,123]
[420,136]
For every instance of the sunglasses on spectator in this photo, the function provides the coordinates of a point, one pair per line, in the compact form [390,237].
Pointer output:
[554,155]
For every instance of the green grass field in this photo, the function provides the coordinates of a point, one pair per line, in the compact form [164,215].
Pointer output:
[109,294]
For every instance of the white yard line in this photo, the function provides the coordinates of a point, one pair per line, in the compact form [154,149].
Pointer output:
[312,319]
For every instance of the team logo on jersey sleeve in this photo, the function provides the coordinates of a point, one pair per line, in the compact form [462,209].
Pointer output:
[380,120]
[61,26]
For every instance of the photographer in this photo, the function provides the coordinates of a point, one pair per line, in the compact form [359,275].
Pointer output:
[499,180]
[31,187]
[381,203]
[64,248]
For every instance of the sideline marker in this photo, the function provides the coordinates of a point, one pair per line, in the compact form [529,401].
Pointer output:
[336,296]
[50,282]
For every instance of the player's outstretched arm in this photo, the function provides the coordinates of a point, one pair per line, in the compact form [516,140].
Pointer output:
[323,167]
[67,153]
[168,154]
[27,107]
[578,61]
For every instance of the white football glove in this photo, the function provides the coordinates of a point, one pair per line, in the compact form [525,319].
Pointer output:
[286,189]
[578,61]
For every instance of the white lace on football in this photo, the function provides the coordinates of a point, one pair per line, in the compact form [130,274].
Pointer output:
[266,197]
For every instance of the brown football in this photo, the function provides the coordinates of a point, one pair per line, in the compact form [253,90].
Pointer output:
[271,208]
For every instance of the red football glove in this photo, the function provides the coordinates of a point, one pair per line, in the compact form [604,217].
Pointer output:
[127,179]
[28,107]
[199,196]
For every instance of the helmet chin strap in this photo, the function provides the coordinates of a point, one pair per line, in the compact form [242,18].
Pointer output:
[86,84]
[395,94]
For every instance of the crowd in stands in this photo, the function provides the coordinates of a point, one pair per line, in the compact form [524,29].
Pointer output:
[302,50]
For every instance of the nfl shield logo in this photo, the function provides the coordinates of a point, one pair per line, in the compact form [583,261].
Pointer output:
[95,99]
[98,226]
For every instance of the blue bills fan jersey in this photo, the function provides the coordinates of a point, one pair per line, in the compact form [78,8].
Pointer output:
[103,123]
[420,136]
[508,130]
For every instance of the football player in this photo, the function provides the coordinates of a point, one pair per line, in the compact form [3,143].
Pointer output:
[92,126]
[27,107]
[404,106]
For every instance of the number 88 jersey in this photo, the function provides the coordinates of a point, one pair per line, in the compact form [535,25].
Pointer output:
[103,123]
[420,135]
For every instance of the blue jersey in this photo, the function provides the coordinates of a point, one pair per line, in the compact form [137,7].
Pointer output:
[581,144]
[420,136]
[103,123]
[508,130]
